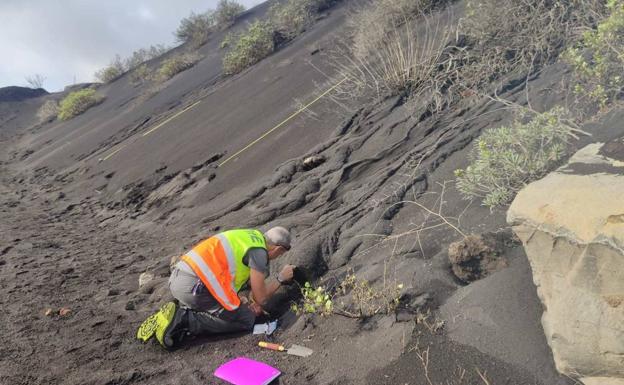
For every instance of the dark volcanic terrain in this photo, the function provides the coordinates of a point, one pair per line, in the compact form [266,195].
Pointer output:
[90,204]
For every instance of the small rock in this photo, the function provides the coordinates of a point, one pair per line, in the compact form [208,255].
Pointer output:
[60,196]
[313,161]
[404,316]
[64,311]
[130,305]
[144,278]
[420,301]
[174,260]
[112,292]
[48,312]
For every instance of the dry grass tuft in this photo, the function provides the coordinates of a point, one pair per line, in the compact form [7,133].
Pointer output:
[399,50]
[176,64]
[48,111]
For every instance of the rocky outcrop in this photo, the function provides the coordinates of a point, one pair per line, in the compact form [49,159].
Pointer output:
[572,226]
[17,94]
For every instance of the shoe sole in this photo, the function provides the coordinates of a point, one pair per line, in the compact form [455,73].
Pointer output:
[163,321]
[148,328]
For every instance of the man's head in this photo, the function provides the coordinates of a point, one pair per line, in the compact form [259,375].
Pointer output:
[278,241]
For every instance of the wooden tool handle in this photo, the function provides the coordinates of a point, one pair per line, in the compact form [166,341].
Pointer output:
[271,346]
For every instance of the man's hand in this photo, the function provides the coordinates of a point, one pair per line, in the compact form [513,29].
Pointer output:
[256,309]
[286,274]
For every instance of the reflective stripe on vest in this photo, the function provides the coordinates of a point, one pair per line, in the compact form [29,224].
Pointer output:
[218,262]
[216,269]
[231,259]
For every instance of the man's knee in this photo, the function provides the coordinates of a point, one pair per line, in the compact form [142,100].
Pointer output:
[247,318]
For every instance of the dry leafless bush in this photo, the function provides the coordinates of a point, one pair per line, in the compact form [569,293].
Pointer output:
[519,35]
[35,81]
[48,111]
[368,299]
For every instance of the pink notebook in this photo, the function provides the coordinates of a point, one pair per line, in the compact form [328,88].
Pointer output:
[244,371]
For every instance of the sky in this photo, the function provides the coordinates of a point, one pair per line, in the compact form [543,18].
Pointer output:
[66,41]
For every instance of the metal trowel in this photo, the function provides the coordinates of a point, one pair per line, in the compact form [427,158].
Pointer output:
[296,350]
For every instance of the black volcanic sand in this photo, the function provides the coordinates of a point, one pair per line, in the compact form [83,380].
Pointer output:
[77,232]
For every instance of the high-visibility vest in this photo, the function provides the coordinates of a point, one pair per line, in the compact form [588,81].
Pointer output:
[218,262]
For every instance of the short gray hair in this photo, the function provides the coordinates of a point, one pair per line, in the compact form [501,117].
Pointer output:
[278,236]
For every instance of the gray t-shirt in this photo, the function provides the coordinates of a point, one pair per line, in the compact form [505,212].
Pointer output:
[257,259]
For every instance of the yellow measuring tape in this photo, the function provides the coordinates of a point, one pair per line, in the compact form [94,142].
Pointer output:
[244,148]
[172,117]
[282,123]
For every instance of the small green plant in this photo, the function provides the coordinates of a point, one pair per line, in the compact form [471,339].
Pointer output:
[250,47]
[314,301]
[228,40]
[226,12]
[48,111]
[176,64]
[292,17]
[140,75]
[115,69]
[78,102]
[506,158]
[598,59]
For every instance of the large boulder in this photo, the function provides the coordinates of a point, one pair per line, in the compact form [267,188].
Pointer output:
[572,226]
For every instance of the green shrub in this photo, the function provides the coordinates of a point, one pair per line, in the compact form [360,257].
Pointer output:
[504,159]
[48,111]
[176,64]
[598,59]
[226,13]
[78,102]
[195,28]
[292,17]
[115,69]
[250,47]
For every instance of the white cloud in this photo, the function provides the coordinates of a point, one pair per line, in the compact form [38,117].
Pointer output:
[145,13]
[64,39]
